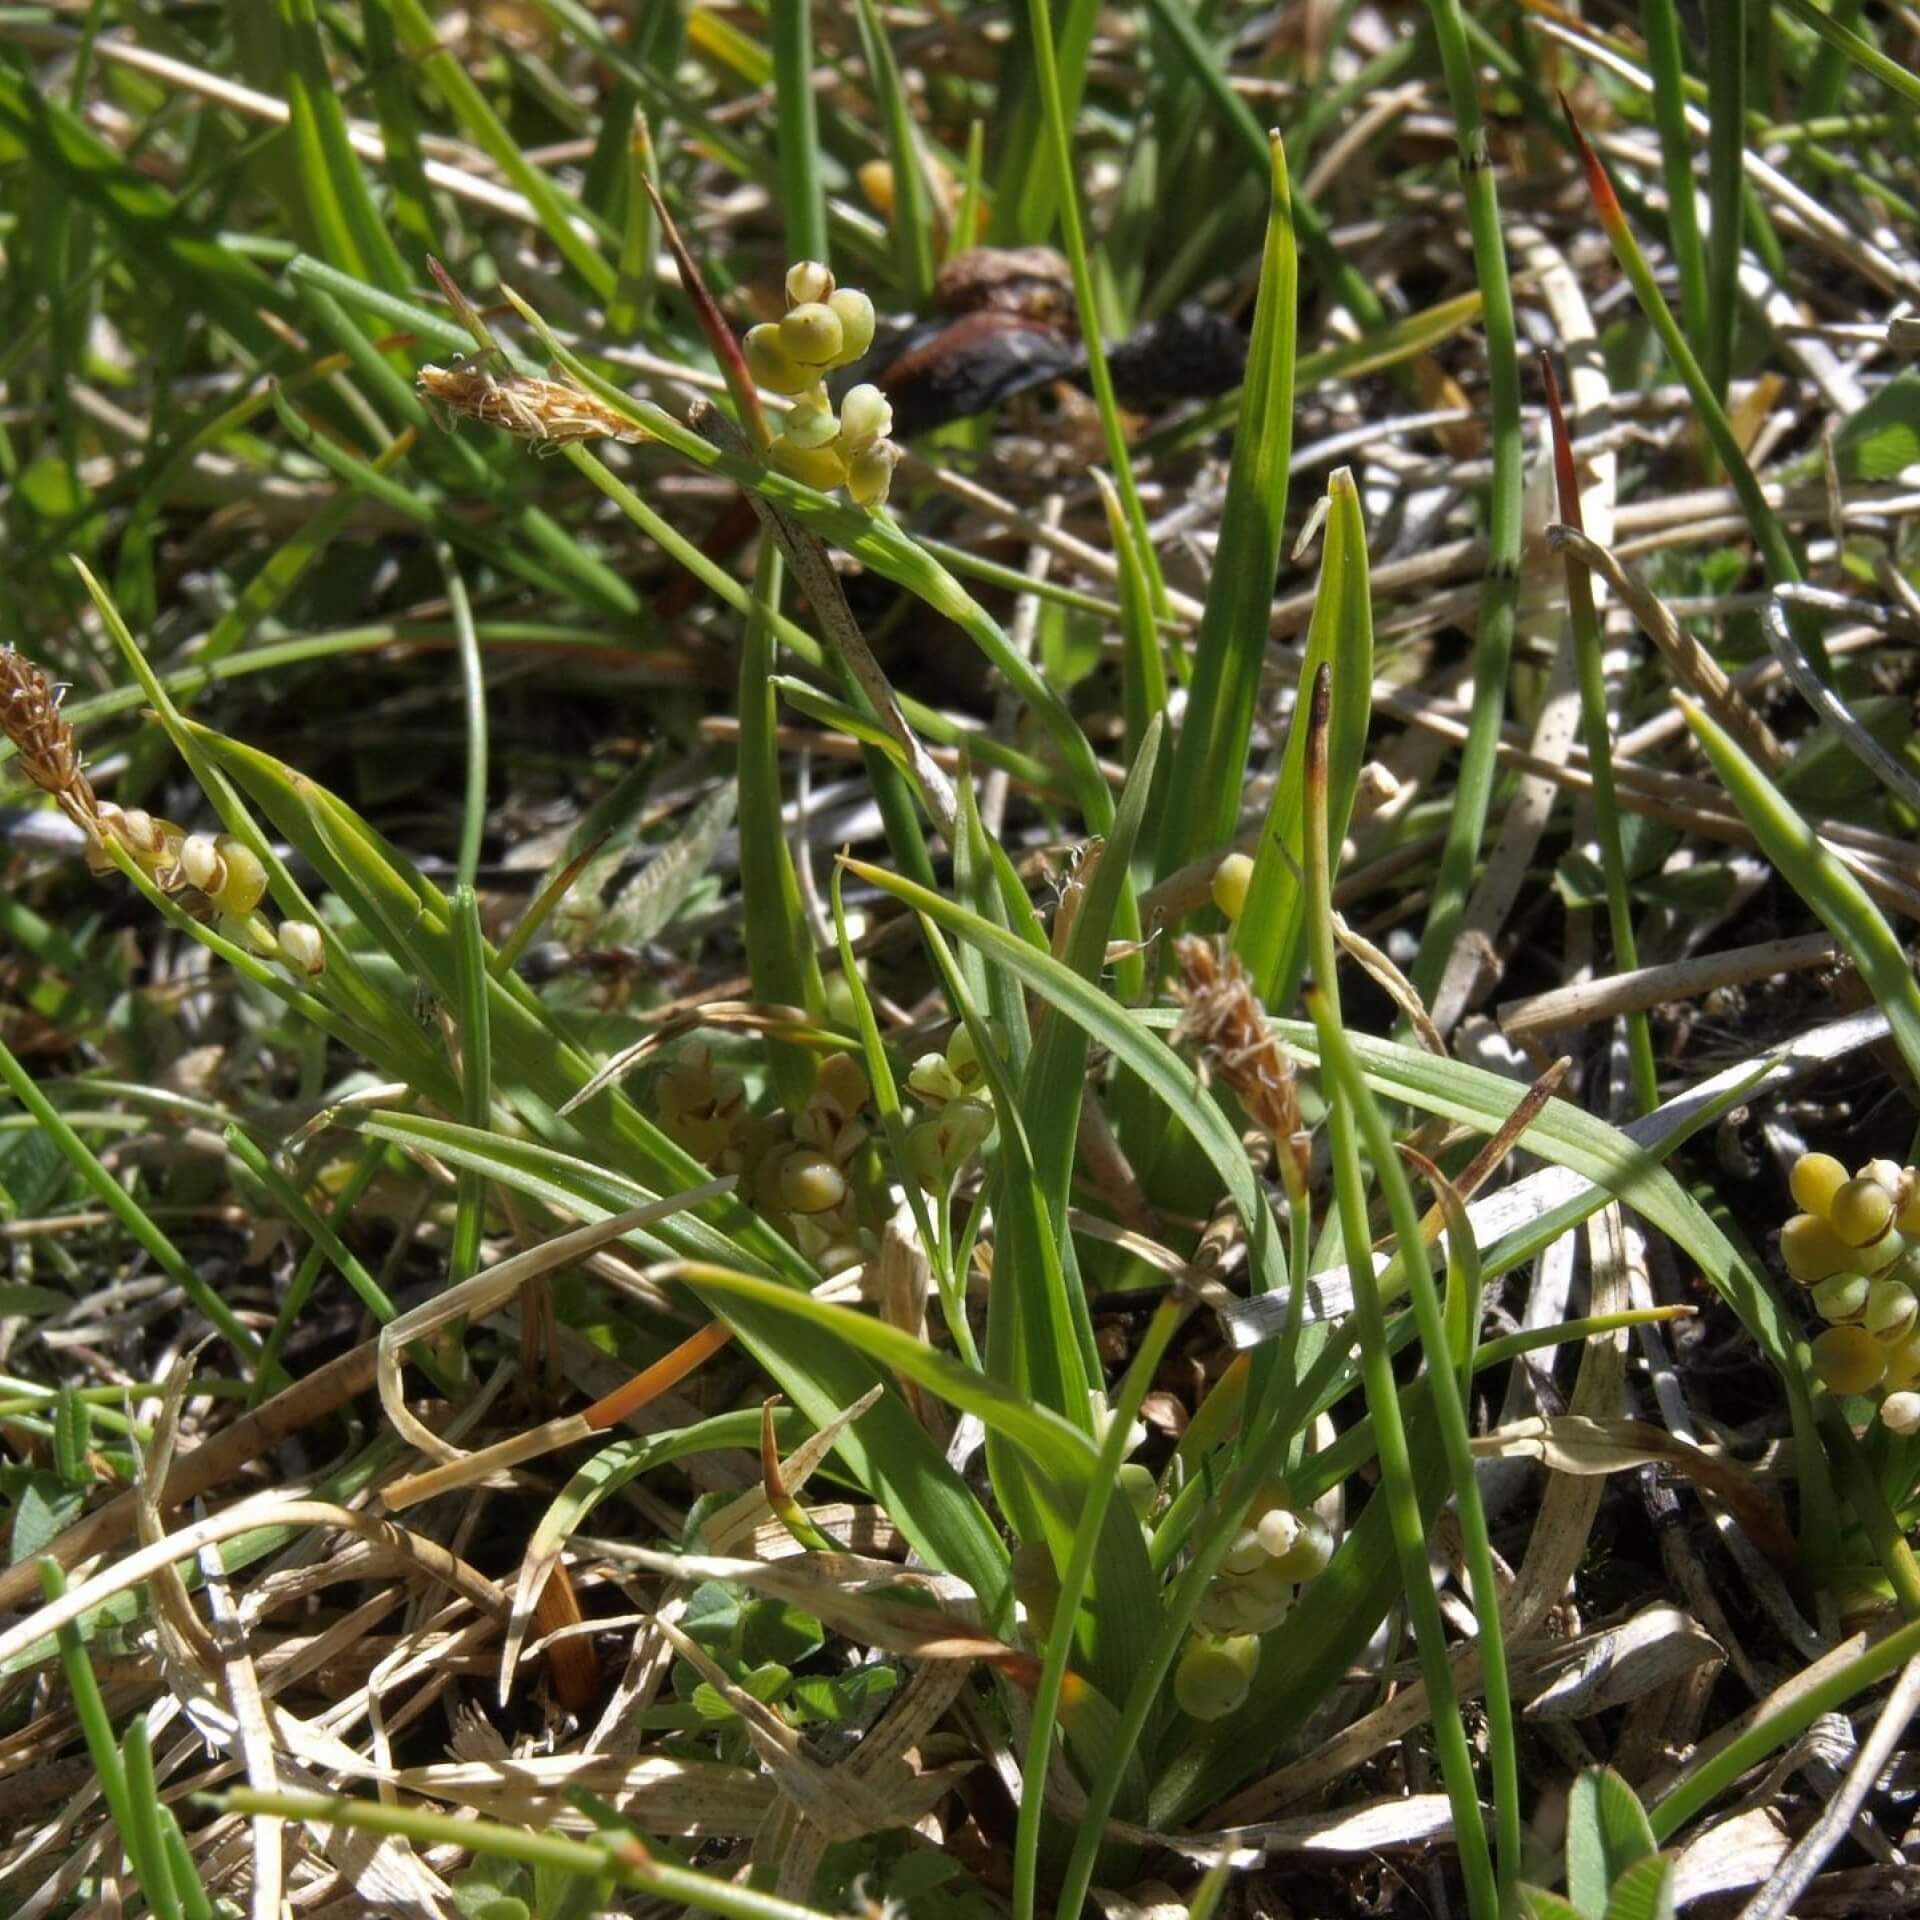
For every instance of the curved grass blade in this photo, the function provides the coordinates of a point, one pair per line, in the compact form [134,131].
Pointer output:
[1210,758]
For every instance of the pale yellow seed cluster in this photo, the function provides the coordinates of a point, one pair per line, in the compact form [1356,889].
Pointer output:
[958,1119]
[1855,1246]
[797,1171]
[218,870]
[825,326]
[1278,1548]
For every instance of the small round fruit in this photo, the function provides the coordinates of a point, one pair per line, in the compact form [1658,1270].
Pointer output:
[1849,1359]
[855,313]
[819,467]
[1815,1179]
[870,473]
[771,365]
[302,948]
[807,281]
[1891,1311]
[812,335]
[1903,1364]
[1214,1677]
[1861,1211]
[1901,1412]
[1138,1487]
[246,883]
[139,834]
[1842,1296]
[809,425]
[1231,879]
[1812,1249]
[200,861]
[808,1182]
[866,415]
[1279,1531]
[1246,1553]
[1309,1554]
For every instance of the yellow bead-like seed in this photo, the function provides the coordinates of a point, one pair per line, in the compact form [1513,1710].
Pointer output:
[1815,1179]
[1849,1359]
[1900,1412]
[200,861]
[1310,1554]
[870,473]
[1812,1250]
[771,365]
[1860,1212]
[1214,1677]
[246,883]
[1903,1363]
[855,313]
[812,335]
[866,415]
[1245,1554]
[808,1182]
[1842,1296]
[819,467]
[1231,879]
[302,948]
[809,425]
[808,280]
[1891,1311]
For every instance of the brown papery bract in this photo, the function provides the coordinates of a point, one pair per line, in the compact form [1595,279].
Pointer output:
[31,718]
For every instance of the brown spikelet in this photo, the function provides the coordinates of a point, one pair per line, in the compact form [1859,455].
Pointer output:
[1223,1019]
[548,412]
[30,717]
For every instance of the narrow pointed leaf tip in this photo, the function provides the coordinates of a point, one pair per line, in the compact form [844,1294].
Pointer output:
[1606,203]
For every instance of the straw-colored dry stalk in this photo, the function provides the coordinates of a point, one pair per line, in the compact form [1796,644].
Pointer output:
[31,718]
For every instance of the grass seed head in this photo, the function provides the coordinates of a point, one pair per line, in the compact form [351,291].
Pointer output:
[1223,1019]
[30,717]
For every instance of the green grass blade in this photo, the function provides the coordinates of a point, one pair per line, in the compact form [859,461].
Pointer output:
[390,80]
[1210,759]
[912,217]
[1660,23]
[803,197]
[1776,548]
[1819,879]
[1493,644]
[125,1208]
[420,35]
[475,1026]
[143,1803]
[1726,179]
[1271,935]
[1143,666]
[1597,729]
[1833,28]
[780,955]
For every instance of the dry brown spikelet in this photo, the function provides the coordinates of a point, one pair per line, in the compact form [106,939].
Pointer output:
[31,718]
[548,412]
[1223,1019]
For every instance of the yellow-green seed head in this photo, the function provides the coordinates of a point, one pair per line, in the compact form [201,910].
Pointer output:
[808,281]
[1214,1677]
[812,335]
[870,473]
[771,365]
[1908,1218]
[302,948]
[1891,1310]
[1815,1179]
[819,467]
[246,883]
[1861,1211]
[854,311]
[1842,1296]
[1279,1529]
[1849,1359]
[1231,879]
[1900,1412]
[1812,1249]
[866,415]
